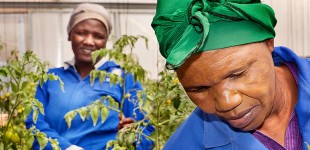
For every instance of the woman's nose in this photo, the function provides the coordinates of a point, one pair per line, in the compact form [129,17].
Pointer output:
[227,100]
[89,40]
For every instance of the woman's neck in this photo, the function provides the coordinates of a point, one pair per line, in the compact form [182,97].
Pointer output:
[83,69]
[284,102]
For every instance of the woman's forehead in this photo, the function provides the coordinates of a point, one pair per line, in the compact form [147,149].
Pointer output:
[91,21]
[91,24]
[221,59]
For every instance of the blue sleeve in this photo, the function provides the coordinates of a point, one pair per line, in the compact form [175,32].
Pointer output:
[42,125]
[131,107]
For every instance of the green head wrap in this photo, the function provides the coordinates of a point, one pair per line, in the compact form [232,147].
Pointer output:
[186,27]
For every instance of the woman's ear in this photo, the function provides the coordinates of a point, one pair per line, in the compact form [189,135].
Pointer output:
[69,36]
[270,44]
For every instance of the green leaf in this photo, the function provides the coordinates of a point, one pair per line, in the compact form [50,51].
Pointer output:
[120,137]
[104,113]
[27,109]
[140,102]
[52,76]
[42,140]
[61,85]
[112,102]
[39,105]
[130,138]
[14,87]
[24,84]
[110,99]
[45,77]
[127,95]
[29,141]
[176,102]
[15,67]
[55,144]
[120,80]
[3,72]
[83,113]
[308,146]
[69,117]
[93,75]
[95,55]
[41,82]
[149,97]
[110,144]
[112,79]
[94,113]
[102,76]
[119,148]
[35,115]
[140,94]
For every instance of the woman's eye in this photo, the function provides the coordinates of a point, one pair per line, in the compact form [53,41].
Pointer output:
[99,36]
[236,75]
[198,89]
[80,33]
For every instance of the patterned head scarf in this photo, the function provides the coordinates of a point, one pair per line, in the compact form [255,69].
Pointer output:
[89,11]
[186,27]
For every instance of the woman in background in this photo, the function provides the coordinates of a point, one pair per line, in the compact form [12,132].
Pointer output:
[88,30]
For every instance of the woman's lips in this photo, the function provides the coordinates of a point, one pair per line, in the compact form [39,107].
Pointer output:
[87,51]
[243,119]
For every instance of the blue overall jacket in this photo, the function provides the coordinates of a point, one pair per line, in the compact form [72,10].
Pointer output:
[78,93]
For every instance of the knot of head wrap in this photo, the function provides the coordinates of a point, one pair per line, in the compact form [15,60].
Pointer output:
[186,27]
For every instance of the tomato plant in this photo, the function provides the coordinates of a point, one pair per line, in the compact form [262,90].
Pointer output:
[18,81]
[163,101]
[167,106]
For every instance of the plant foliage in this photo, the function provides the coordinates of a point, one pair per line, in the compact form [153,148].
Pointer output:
[18,82]
[164,102]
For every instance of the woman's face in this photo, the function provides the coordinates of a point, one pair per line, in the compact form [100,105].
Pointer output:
[86,37]
[236,83]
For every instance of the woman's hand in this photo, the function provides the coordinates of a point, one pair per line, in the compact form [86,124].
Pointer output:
[124,122]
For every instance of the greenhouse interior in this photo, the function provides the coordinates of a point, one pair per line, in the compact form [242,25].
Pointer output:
[34,38]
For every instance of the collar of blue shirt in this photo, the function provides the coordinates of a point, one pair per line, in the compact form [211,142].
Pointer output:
[71,62]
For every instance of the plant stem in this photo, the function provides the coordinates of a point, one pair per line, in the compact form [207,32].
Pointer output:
[11,75]
[146,136]
[160,124]
[157,125]
[123,99]
[113,109]
[10,118]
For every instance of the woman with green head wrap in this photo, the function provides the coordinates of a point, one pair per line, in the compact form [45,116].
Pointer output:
[250,94]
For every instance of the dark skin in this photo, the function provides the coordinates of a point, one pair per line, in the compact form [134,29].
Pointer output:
[124,122]
[242,86]
[87,36]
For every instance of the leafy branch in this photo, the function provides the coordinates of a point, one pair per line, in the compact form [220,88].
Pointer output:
[163,102]
[18,81]
[129,65]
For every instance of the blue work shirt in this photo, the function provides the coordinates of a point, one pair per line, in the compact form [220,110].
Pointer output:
[204,131]
[78,93]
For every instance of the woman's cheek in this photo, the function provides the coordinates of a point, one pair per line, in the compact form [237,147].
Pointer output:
[257,83]
[203,101]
